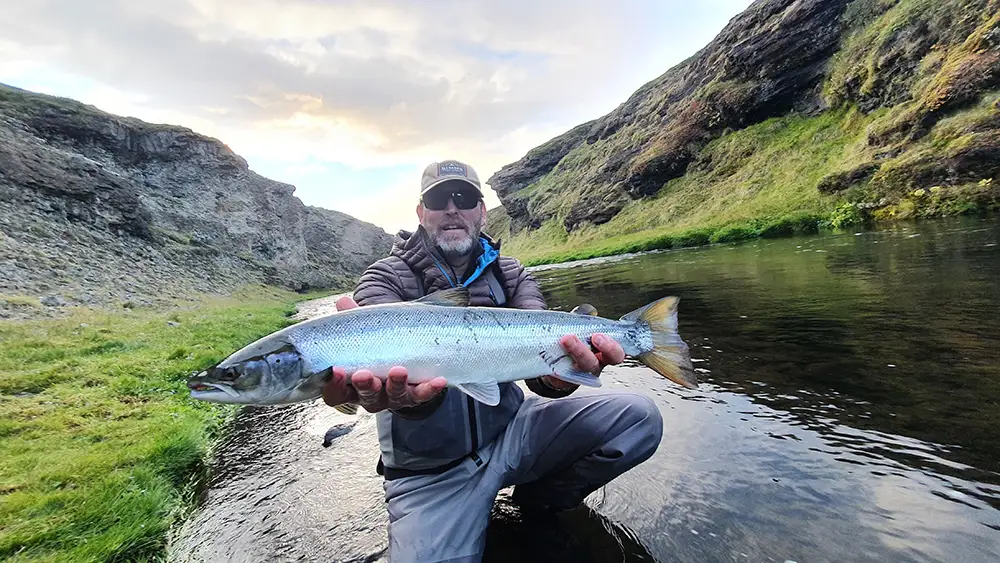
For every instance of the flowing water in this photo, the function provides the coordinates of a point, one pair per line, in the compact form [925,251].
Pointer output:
[849,411]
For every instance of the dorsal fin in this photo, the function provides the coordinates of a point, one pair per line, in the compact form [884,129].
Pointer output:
[585,309]
[454,297]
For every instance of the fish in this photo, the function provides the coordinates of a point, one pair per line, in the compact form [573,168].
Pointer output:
[440,335]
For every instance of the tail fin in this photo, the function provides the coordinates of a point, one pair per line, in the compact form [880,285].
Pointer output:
[670,356]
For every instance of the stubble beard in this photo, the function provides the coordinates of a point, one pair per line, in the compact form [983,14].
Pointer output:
[460,248]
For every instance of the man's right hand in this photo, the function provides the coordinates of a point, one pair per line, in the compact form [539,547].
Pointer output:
[368,390]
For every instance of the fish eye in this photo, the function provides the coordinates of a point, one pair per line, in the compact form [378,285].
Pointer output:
[230,373]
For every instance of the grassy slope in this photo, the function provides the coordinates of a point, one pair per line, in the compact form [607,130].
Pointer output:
[100,446]
[762,180]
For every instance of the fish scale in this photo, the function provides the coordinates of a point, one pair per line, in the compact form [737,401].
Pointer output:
[463,345]
[473,348]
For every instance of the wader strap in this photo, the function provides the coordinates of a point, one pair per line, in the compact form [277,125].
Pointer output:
[391,473]
[496,289]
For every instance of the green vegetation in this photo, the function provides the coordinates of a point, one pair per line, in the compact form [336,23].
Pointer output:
[101,448]
[760,181]
[768,180]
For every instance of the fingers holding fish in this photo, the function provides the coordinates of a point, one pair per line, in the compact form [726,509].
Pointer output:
[609,351]
[336,391]
[401,394]
[374,395]
[605,351]
[427,390]
[395,388]
[371,394]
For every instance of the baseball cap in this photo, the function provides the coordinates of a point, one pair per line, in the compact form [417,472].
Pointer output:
[447,170]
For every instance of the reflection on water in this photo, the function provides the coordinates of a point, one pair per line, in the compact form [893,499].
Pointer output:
[848,412]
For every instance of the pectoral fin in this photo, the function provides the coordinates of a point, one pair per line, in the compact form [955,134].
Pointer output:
[575,376]
[488,393]
[349,409]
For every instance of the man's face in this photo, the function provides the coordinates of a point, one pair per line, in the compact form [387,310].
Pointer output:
[452,229]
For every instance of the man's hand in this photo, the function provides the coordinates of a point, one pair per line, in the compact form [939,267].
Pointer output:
[606,352]
[368,391]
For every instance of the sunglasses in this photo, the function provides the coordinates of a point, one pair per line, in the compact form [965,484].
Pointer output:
[437,200]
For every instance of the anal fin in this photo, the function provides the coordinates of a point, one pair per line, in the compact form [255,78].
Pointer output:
[488,393]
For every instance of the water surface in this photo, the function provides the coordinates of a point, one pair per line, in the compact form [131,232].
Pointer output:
[848,411]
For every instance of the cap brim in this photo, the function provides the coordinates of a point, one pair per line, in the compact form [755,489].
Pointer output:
[452,179]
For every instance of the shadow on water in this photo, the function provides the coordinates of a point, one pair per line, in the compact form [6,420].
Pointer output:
[848,412]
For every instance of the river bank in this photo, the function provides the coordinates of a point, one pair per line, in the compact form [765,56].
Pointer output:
[101,449]
[551,244]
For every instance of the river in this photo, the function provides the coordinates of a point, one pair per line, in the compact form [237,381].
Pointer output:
[849,411]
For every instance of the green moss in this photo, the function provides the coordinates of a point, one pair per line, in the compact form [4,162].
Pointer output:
[939,201]
[760,181]
[763,180]
[99,442]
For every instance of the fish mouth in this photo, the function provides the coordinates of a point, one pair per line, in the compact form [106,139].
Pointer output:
[199,387]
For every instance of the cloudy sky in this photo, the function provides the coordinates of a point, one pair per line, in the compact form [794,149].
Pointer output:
[349,100]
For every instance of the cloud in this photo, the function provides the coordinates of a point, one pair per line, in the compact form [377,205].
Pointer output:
[370,84]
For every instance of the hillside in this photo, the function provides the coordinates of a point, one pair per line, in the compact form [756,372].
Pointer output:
[97,209]
[799,113]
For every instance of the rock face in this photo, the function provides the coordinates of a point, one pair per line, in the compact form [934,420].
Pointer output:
[777,57]
[99,209]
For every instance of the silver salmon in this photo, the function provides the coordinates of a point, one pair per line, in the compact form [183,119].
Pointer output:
[440,335]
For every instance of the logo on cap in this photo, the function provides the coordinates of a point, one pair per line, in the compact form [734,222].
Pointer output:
[452,169]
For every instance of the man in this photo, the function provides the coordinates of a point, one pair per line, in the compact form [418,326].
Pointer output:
[446,456]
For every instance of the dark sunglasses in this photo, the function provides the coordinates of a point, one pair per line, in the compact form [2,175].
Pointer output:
[437,200]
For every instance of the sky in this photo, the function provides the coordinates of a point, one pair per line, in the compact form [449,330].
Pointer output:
[348,101]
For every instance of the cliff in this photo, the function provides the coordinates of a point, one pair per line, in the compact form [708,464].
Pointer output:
[100,209]
[797,105]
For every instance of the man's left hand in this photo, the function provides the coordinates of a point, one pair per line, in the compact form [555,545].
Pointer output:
[605,352]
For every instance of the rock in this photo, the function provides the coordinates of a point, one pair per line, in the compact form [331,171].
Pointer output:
[173,323]
[132,211]
[336,431]
[52,301]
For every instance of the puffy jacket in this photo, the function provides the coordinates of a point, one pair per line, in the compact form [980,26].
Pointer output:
[441,433]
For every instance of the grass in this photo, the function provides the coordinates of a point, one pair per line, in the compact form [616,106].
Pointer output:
[100,446]
[762,182]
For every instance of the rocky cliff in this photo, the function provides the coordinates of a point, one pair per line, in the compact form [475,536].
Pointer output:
[898,75]
[100,209]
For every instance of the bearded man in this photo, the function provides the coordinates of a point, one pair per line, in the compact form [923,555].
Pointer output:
[444,455]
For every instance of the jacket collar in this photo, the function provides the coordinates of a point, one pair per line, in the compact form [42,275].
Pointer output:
[414,248]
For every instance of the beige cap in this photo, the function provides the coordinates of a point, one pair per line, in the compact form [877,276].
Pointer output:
[446,170]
